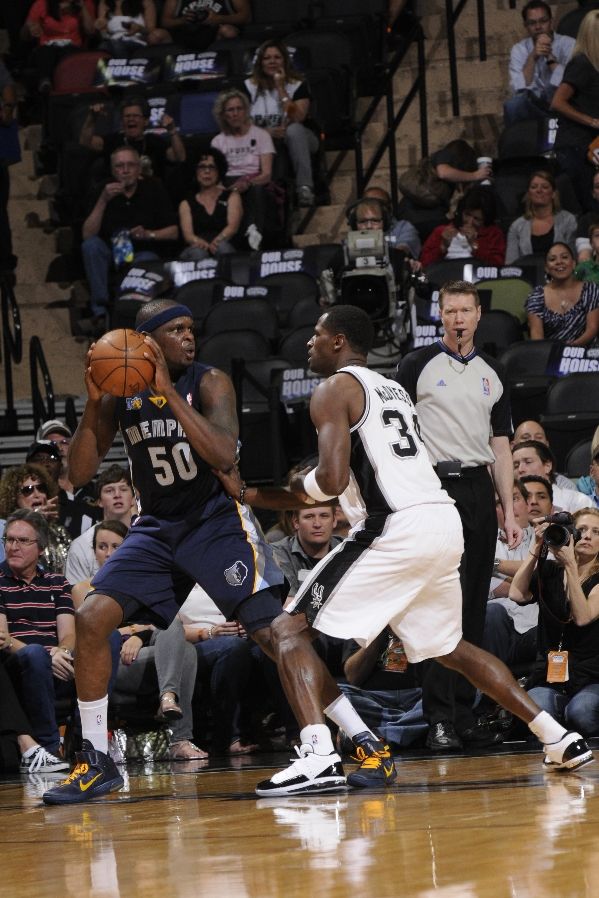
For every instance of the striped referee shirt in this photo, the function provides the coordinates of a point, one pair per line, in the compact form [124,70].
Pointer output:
[32,609]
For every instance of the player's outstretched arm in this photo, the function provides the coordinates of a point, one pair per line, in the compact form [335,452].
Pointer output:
[94,434]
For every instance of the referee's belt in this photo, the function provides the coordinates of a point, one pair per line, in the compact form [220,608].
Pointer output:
[452,470]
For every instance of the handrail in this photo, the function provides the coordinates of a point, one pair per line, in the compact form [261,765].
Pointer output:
[12,351]
[414,36]
[452,15]
[418,87]
[42,410]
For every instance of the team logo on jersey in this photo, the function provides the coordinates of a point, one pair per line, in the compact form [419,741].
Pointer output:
[317,593]
[486,387]
[441,383]
[133,403]
[236,574]
[158,401]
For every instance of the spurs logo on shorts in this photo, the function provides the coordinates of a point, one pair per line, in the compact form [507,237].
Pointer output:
[236,574]
[317,593]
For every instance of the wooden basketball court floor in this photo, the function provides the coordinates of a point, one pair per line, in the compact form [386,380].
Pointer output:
[479,826]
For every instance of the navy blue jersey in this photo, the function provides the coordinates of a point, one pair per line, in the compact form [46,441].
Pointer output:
[171,479]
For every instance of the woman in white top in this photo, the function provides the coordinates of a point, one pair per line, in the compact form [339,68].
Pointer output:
[280,102]
[128,24]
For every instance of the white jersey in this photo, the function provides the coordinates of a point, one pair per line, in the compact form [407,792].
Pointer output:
[390,467]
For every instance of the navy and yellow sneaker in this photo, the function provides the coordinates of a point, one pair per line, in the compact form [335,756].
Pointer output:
[94,774]
[377,767]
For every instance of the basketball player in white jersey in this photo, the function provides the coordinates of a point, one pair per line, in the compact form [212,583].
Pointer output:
[398,567]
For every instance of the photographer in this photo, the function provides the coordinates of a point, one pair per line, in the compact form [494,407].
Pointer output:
[565,679]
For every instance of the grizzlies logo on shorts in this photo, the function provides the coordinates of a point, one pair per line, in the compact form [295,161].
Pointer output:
[236,574]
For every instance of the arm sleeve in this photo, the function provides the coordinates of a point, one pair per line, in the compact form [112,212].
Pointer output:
[562,50]
[491,245]
[405,232]
[431,251]
[79,564]
[535,302]
[501,413]
[518,56]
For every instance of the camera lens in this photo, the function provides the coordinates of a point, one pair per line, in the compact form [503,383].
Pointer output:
[556,536]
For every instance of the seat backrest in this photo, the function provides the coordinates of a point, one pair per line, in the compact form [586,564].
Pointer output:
[305,312]
[291,12]
[527,359]
[195,113]
[261,370]
[533,267]
[508,295]
[574,393]
[76,73]
[496,331]
[324,48]
[519,139]
[236,314]
[438,273]
[220,349]
[294,287]
[578,459]
[293,346]
[200,296]
[570,22]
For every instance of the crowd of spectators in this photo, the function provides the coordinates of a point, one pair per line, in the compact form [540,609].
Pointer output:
[155,198]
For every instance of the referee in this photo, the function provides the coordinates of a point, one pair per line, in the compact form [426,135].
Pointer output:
[462,401]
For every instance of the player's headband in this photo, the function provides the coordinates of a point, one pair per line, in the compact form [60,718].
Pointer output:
[161,318]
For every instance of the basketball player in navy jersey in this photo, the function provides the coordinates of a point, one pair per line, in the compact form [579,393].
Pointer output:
[398,567]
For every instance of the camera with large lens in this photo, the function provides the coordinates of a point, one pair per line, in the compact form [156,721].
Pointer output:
[561,528]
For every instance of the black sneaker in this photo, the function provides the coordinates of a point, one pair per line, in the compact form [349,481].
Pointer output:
[94,774]
[376,763]
[569,753]
[308,772]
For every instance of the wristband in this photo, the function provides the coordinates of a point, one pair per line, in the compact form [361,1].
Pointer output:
[312,489]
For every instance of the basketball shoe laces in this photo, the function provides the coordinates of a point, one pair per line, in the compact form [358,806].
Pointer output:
[370,761]
[80,770]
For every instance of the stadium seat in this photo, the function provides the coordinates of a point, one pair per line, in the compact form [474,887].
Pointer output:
[76,73]
[236,314]
[200,296]
[571,412]
[294,287]
[496,331]
[220,349]
[305,312]
[438,273]
[570,22]
[578,459]
[525,365]
[195,113]
[294,346]
[508,295]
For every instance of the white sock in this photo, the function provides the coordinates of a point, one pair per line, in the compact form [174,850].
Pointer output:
[94,726]
[318,735]
[30,751]
[546,728]
[343,713]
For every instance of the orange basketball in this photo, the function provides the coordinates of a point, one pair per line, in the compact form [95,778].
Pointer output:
[118,365]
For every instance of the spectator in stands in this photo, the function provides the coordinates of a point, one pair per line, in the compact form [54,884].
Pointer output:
[583,240]
[16,729]
[59,27]
[587,268]
[115,499]
[210,217]
[589,485]
[249,151]
[384,689]
[154,151]
[313,539]
[126,25]
[8,103]
[76,505]
[564,309]
[456,164]
[565,681]
[539,496]
[224,669]
[402,234]
[280,103]
[536,65]
[30,486]
[195,24]
[532,457]
[145,648]
[575,102]
[141,208]
[37,611]
[510,629]
[543,222]
[532,430]
[471,232]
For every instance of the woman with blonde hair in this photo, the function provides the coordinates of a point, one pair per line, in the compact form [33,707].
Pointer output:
[576,102]
[543,222]
[565,679]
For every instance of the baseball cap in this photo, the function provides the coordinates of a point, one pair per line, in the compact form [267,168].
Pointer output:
[43,447]
[53,426]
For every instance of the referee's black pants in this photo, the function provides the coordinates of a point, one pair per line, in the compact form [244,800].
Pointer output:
[447,695]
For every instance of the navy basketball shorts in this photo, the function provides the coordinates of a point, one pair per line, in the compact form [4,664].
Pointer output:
[221,548]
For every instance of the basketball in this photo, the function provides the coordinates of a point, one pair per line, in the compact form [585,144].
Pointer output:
[118,365]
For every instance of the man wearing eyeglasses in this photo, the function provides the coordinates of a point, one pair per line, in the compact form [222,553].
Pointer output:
[536,65]
[37,625]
